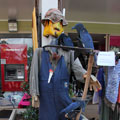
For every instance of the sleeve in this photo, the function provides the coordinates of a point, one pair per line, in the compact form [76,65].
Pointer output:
[77,68]
[34,76]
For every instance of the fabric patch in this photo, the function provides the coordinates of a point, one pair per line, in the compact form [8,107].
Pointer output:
[66,84]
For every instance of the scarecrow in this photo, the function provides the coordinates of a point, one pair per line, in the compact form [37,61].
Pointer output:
[50,71]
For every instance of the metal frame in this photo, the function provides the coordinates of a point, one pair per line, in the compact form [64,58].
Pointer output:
[81,50]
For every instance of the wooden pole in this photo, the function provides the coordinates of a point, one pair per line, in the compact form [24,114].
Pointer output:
[60,5]
[107,43]
[89,70]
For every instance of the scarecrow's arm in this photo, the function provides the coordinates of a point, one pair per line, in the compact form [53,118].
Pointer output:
[34,77]
[81,74]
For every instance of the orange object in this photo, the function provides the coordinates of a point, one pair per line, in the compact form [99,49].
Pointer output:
[34,30]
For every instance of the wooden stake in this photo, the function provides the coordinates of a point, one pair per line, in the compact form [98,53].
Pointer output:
[89,70]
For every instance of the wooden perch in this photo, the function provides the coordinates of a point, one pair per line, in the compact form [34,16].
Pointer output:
[89,70]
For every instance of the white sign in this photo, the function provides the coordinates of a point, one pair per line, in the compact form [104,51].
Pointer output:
[106,59]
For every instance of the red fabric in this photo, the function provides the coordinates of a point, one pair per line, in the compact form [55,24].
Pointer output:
[119,95]
[115,41]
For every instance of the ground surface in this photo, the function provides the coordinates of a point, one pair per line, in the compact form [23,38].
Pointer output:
[91,111]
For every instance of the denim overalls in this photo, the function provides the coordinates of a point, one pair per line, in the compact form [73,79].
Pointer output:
[54,95]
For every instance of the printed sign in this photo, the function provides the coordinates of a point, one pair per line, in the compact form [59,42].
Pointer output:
[106,58]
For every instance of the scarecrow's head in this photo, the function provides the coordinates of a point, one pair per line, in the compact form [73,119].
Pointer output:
[53,23]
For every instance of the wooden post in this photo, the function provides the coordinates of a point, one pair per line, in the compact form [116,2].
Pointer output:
[60,5]
[107,44]
[89,70]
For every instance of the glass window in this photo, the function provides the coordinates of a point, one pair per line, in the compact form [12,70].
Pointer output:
[27,41]
[15,71]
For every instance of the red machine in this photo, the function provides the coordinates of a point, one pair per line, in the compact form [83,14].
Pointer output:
[13,66]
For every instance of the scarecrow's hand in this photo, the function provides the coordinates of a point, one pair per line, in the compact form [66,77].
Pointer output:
[35,101]
[94,83]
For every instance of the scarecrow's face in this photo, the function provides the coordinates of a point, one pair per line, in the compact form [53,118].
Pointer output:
[54,29]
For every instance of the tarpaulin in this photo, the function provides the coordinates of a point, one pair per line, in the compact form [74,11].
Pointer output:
[115,41]
[25,101]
